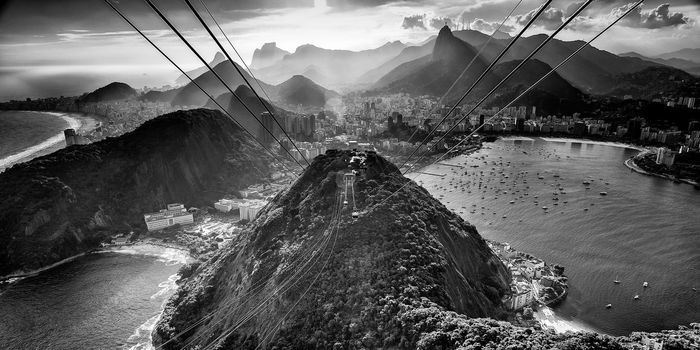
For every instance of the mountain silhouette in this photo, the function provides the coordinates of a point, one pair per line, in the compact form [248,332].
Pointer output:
[111,92]
[182,79]
[267,55]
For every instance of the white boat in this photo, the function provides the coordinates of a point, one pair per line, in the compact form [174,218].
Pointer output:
[603,193]
[645,284]
[608,306]
[636,297]
[616,281]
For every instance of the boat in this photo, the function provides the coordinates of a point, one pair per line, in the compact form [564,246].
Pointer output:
[608,306]
[603,193]
[645,284]
[636,297]
[616,281]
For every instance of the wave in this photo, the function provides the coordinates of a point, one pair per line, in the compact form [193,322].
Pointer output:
[143,335]
[73,123]
[167,255]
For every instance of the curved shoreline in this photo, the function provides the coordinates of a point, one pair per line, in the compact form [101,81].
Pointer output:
[629,163]
[77,121]
[170,253]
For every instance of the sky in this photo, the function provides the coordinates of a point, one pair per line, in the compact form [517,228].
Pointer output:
[65,47]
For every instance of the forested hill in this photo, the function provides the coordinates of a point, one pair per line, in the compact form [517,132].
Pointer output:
[69,201]
[405,273]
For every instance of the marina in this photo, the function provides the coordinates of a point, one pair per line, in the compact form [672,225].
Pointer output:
[515,197]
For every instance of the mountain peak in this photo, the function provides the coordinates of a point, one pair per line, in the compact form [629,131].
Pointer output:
[111,92]
[445,30]
[449,47]
[218,58]
[267,55]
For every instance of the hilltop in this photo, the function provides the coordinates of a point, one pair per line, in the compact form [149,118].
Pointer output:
[65,203]
[401,256]
[300,90]
[111,92]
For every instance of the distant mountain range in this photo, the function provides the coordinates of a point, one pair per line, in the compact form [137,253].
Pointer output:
[687,54]
[431,68]
[182,79]
[331,68]
[297,92]
[692,67]
[434,74]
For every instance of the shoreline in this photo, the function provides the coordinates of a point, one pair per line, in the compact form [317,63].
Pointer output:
[548,319]
[632,165]
[21,275]
[169,253]
[80,122]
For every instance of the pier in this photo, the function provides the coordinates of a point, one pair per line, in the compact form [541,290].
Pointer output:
[452,165]
[432,174]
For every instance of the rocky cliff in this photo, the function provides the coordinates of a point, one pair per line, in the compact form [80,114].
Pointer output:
[334,280]
[66,202]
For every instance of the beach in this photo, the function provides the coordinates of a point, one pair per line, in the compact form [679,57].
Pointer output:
[549,320]
[80,122]
[170,254]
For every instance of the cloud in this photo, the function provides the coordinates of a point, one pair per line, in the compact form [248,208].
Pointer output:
[415,21]
[659,17]
[573,7]
[550,19]
[489,27]
[439,22]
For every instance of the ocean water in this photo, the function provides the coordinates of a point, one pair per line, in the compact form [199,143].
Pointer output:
[644,229]
[27,135]
[100,301]
[20,130]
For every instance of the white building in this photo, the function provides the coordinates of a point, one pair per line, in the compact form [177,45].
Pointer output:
[652,344]
[250,209]
[226,205]
[523,295]
[173,215]
[665,156]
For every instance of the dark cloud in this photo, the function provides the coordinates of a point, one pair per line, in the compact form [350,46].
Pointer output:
[42,17]
[350,4]
[415,21]
[550,19]
[659,17]
[489,27]
[439,22]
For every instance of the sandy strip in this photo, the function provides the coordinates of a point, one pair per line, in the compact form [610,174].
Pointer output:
[549,320]
[19,275]
[591,142]
[169,254]
[28,153]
